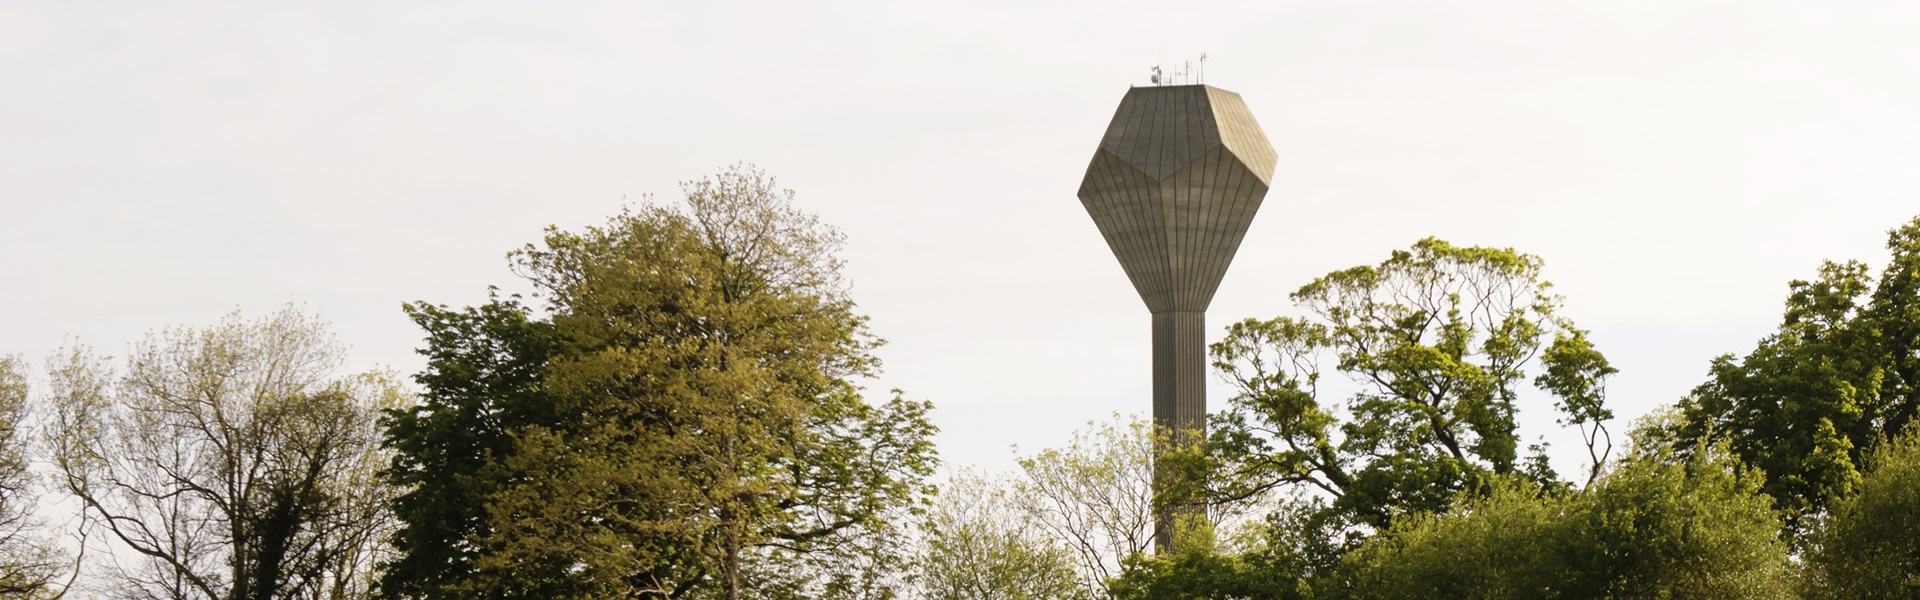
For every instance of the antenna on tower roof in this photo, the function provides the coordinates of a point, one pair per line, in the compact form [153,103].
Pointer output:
[1203,68]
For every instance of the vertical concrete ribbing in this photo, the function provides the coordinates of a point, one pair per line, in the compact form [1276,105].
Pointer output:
[1180,371]
[1179,396]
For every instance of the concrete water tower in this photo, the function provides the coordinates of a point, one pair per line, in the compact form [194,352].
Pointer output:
[1177,179]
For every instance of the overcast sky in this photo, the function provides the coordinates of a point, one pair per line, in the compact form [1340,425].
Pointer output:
[1675,163]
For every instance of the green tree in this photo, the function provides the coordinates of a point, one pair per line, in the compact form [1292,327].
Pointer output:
[1869,547]
[1661,526]
[1841,373]
[28,564]
[684,425]
[1095,495]
[481,384]
[1501,546]
[227,463]
[1199,569]
[1439,339]
[980,544]
[1651,527]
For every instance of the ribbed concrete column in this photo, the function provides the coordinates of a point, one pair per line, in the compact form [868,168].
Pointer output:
[1180,373]
[1179,398]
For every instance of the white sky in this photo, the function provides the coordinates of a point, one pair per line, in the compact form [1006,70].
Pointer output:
[1676,163]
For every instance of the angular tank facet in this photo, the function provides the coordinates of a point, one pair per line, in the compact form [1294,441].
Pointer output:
[1173,187]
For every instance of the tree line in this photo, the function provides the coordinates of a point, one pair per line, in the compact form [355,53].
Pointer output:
[676,413]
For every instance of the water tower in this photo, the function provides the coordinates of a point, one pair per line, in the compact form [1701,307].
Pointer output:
[1177,179]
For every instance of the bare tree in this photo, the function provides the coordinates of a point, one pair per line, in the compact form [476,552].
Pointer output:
[227,463]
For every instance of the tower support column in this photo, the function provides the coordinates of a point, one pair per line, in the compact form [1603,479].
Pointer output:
[1180,373]
[1179,404]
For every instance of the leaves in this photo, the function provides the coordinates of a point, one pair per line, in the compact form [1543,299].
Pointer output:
[28,563]
[684,424]
[1837,376]
[230,462]
[1869,548]
[982,544]
[1652,527]
[1439,339]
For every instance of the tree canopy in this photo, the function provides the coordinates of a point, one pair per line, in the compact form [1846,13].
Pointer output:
[981,543]
[1840,374]
[1651,526]
[676,412]
[684,424]
[1439,338]
[230,462]
[1869,548]
[28,564]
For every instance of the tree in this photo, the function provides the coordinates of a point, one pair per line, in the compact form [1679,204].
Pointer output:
[27,564]
[1439,339]
[684,425]
[1841,373]
[1869,547]
[1661,526]
[1095,495]
[1651,527]
[1198,569]
[481,384]
[227,463]
[1098,494]
[1495,547]
[979,544]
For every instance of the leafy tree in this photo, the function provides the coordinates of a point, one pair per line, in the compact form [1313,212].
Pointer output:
[1098,494]
[1501,546]
[1660,526]
[1439,338]
[1095,495]
[481,384]
[1842,372]
[1197,569]
[684,425]
[1651,527]
[1869,547]
[980,544]
[227,463]
[27,564]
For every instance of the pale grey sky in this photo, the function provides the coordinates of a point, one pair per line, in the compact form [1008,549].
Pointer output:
[1675,163]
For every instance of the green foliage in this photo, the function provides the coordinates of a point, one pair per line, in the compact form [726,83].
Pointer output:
[1096,494]
[981,545]
[481,384]
[1869,547]
[1842,372]
[28,564]
[1651,527]
[1658,527]
[1440,338]
[1199,570]
[684,425]
[1498,547]
[227,462]
[1100,493]
[1576,375]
